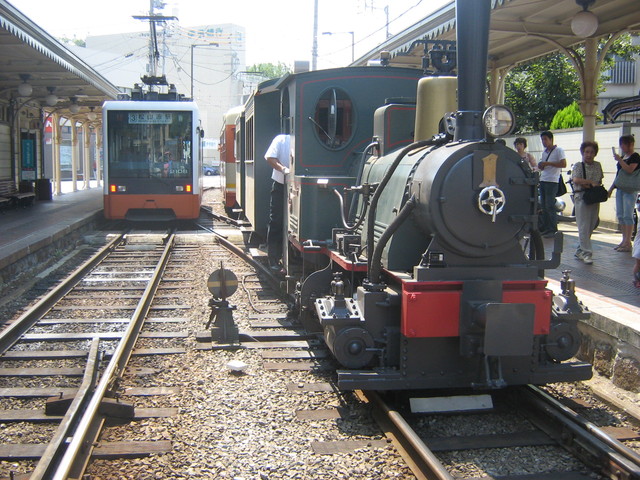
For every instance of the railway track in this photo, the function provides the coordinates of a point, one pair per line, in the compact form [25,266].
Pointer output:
[62,359]
[601,451]
[216,220]
[76,336]
[75,360]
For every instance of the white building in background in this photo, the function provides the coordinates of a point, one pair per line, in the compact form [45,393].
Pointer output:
[218,53]
[623,82]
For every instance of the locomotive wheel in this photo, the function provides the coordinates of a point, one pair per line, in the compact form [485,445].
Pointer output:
[563,341]
[352,347]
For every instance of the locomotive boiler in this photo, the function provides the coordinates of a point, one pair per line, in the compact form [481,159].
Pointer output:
[428,283]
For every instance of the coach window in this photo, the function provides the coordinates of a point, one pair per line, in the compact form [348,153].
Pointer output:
[333,118]
[285,112]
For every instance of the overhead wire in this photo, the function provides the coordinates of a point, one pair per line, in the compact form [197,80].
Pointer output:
[361,40]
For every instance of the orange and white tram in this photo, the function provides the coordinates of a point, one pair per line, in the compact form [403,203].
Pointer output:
[228,160]
[152,160]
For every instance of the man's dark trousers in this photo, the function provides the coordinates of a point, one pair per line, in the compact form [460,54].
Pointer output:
[275,227]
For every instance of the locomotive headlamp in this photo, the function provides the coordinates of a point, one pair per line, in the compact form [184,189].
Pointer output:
[498,120]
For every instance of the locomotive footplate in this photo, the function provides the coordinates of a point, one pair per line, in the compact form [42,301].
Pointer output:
[394,380]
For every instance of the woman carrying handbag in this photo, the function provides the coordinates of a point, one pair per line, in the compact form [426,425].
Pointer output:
[587,180]
[627,183]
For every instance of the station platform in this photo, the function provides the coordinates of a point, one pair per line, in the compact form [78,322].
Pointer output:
[611,336]
[605,286]
[25,230]
[610,275]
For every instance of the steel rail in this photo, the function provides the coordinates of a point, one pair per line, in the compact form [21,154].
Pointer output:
[275,283]
[421,459]
[211,230]
[581,437]
[49,459]
[223,218]
[81,446]
[10,335]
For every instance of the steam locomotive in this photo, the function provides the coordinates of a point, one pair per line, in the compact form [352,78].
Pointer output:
[410,237]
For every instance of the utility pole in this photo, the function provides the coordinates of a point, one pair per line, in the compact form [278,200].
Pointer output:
[386,12]
[194,45]
[154,54]
[314,49]
[353,42]
[152,35]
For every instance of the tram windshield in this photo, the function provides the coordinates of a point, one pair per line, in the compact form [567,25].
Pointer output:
[150,144]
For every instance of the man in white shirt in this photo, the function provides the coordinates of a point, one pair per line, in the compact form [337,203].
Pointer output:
[278,155]
[551,165]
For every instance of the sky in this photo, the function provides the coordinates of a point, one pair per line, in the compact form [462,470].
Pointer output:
[276,30]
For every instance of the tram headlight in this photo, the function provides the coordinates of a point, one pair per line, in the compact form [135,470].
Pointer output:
[117,188]
[179,188]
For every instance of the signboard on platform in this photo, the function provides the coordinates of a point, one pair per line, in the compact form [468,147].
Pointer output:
[28,150]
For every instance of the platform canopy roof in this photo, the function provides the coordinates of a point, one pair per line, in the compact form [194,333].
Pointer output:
[28,53]
[520,29]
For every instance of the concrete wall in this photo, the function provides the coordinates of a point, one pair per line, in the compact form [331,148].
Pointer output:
[607,136]
[613,349]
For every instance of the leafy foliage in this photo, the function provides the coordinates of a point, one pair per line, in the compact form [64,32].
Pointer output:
[568,117]
[535,91]
[73,41]
[270,70]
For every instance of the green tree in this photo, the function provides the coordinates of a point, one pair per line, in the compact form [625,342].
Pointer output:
[73,41]
[568,117]
[270,70]
[535,91]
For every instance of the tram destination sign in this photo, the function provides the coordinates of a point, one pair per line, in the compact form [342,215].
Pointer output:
[150,118]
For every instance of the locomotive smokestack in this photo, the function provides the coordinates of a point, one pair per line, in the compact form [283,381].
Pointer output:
[472,31]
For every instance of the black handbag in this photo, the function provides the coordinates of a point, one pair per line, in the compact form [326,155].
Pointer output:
[593,195]
[562,188]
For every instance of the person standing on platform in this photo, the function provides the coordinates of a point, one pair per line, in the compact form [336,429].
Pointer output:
[636,254]
[625,200]
[586,174]
[520,145]
[278,155]
[551,165]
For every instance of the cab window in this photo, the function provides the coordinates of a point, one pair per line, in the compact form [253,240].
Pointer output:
[333,119]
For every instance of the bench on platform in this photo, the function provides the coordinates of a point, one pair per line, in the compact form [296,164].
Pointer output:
[11,197]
